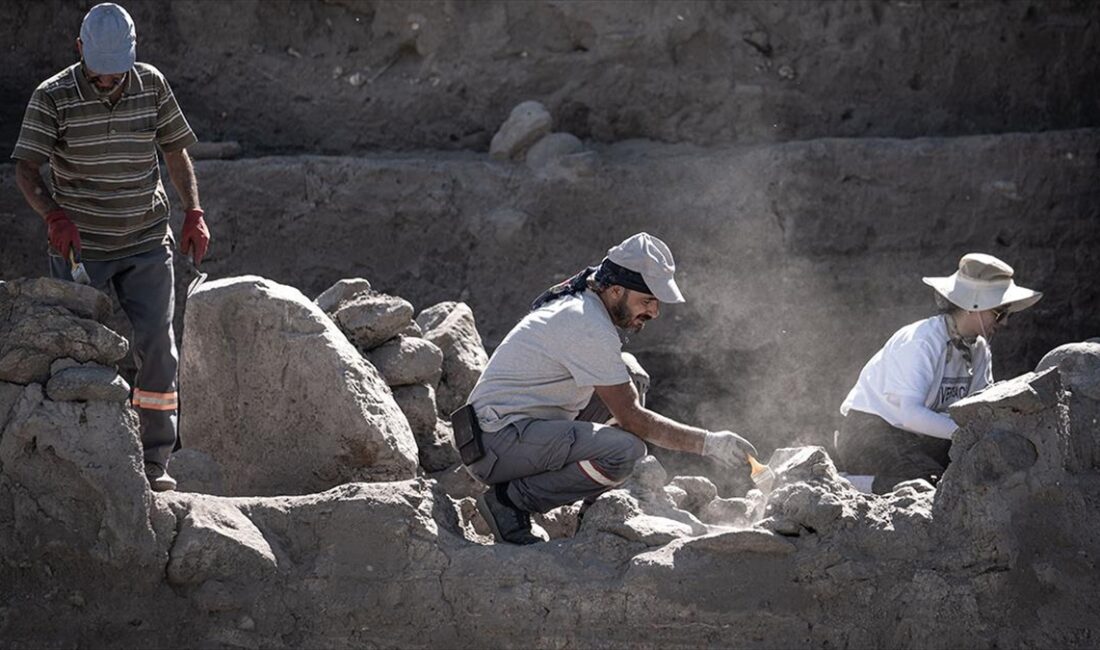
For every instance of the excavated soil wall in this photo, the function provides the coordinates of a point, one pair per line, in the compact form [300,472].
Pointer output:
[348,76]
[798,260]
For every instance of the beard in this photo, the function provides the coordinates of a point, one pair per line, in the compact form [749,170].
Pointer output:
[620,315]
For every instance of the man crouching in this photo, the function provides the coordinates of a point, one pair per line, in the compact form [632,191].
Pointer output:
[536,428]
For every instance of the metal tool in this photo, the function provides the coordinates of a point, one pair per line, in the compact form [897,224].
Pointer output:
[80,274]
[199,279]
[762,475]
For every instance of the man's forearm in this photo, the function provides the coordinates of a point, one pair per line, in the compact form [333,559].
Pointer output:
[664,432]
[182,174]
[30,183]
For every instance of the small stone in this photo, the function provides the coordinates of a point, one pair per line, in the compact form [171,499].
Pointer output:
[87,383]
[452,328]
[677,494]
[437,450]
[370,320]
[527,122]
[782,526]
[551,147]
[699,491]
[246,623]
[406,361]
[412,330]
[344,290]
[649,474]
[417,402]
[728,512]
[60,364]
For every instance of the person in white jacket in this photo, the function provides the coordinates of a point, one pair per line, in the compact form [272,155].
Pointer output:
[896,427]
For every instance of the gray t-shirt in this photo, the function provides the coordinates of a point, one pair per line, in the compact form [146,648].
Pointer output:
[548,365]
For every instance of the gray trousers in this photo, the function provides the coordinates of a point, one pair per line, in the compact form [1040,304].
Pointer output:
[145,286]
[549,463]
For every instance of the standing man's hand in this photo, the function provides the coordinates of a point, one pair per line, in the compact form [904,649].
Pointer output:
[728,447]
[62,233]
[196,236]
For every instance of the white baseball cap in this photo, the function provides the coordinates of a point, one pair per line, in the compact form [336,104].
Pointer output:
[984,282]
[108,39]
[645,254]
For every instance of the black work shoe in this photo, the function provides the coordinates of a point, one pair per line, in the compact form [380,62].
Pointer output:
[508,524]
[159,480]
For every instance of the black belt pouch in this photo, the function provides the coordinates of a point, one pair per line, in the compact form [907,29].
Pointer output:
[467,435]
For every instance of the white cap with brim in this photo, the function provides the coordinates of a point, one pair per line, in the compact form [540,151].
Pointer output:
[983,282]
[645,254]
[108,39]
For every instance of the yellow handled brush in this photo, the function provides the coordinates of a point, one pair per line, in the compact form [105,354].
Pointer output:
[762,475]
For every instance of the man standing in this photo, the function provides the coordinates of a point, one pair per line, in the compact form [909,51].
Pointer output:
[565,355]
[98,123]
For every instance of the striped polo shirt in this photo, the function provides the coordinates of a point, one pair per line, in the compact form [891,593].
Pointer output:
[103,158]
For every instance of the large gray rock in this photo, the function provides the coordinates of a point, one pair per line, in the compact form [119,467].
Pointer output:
[452,328]
[279,396]
[527,122]
[73,474]
[42,320]
[1079,364]
[404,360]
[87,382]
[344,290]
[370,320]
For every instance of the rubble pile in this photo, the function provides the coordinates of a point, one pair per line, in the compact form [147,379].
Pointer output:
[1001,554]
[430,364]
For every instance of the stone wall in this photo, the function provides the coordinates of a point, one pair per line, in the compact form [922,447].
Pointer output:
[348,76]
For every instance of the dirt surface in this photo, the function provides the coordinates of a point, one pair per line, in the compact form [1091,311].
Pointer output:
[349,76]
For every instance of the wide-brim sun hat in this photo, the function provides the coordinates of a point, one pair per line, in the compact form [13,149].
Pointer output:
[983,282]
[645,254]
[108,39]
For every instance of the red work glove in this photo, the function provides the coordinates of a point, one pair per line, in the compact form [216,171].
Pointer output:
[62,233]
[196,236]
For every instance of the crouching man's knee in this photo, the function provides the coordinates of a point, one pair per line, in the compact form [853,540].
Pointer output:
[615,466]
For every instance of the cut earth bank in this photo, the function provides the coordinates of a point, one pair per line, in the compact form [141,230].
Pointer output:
[1003,554]
[798,260]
